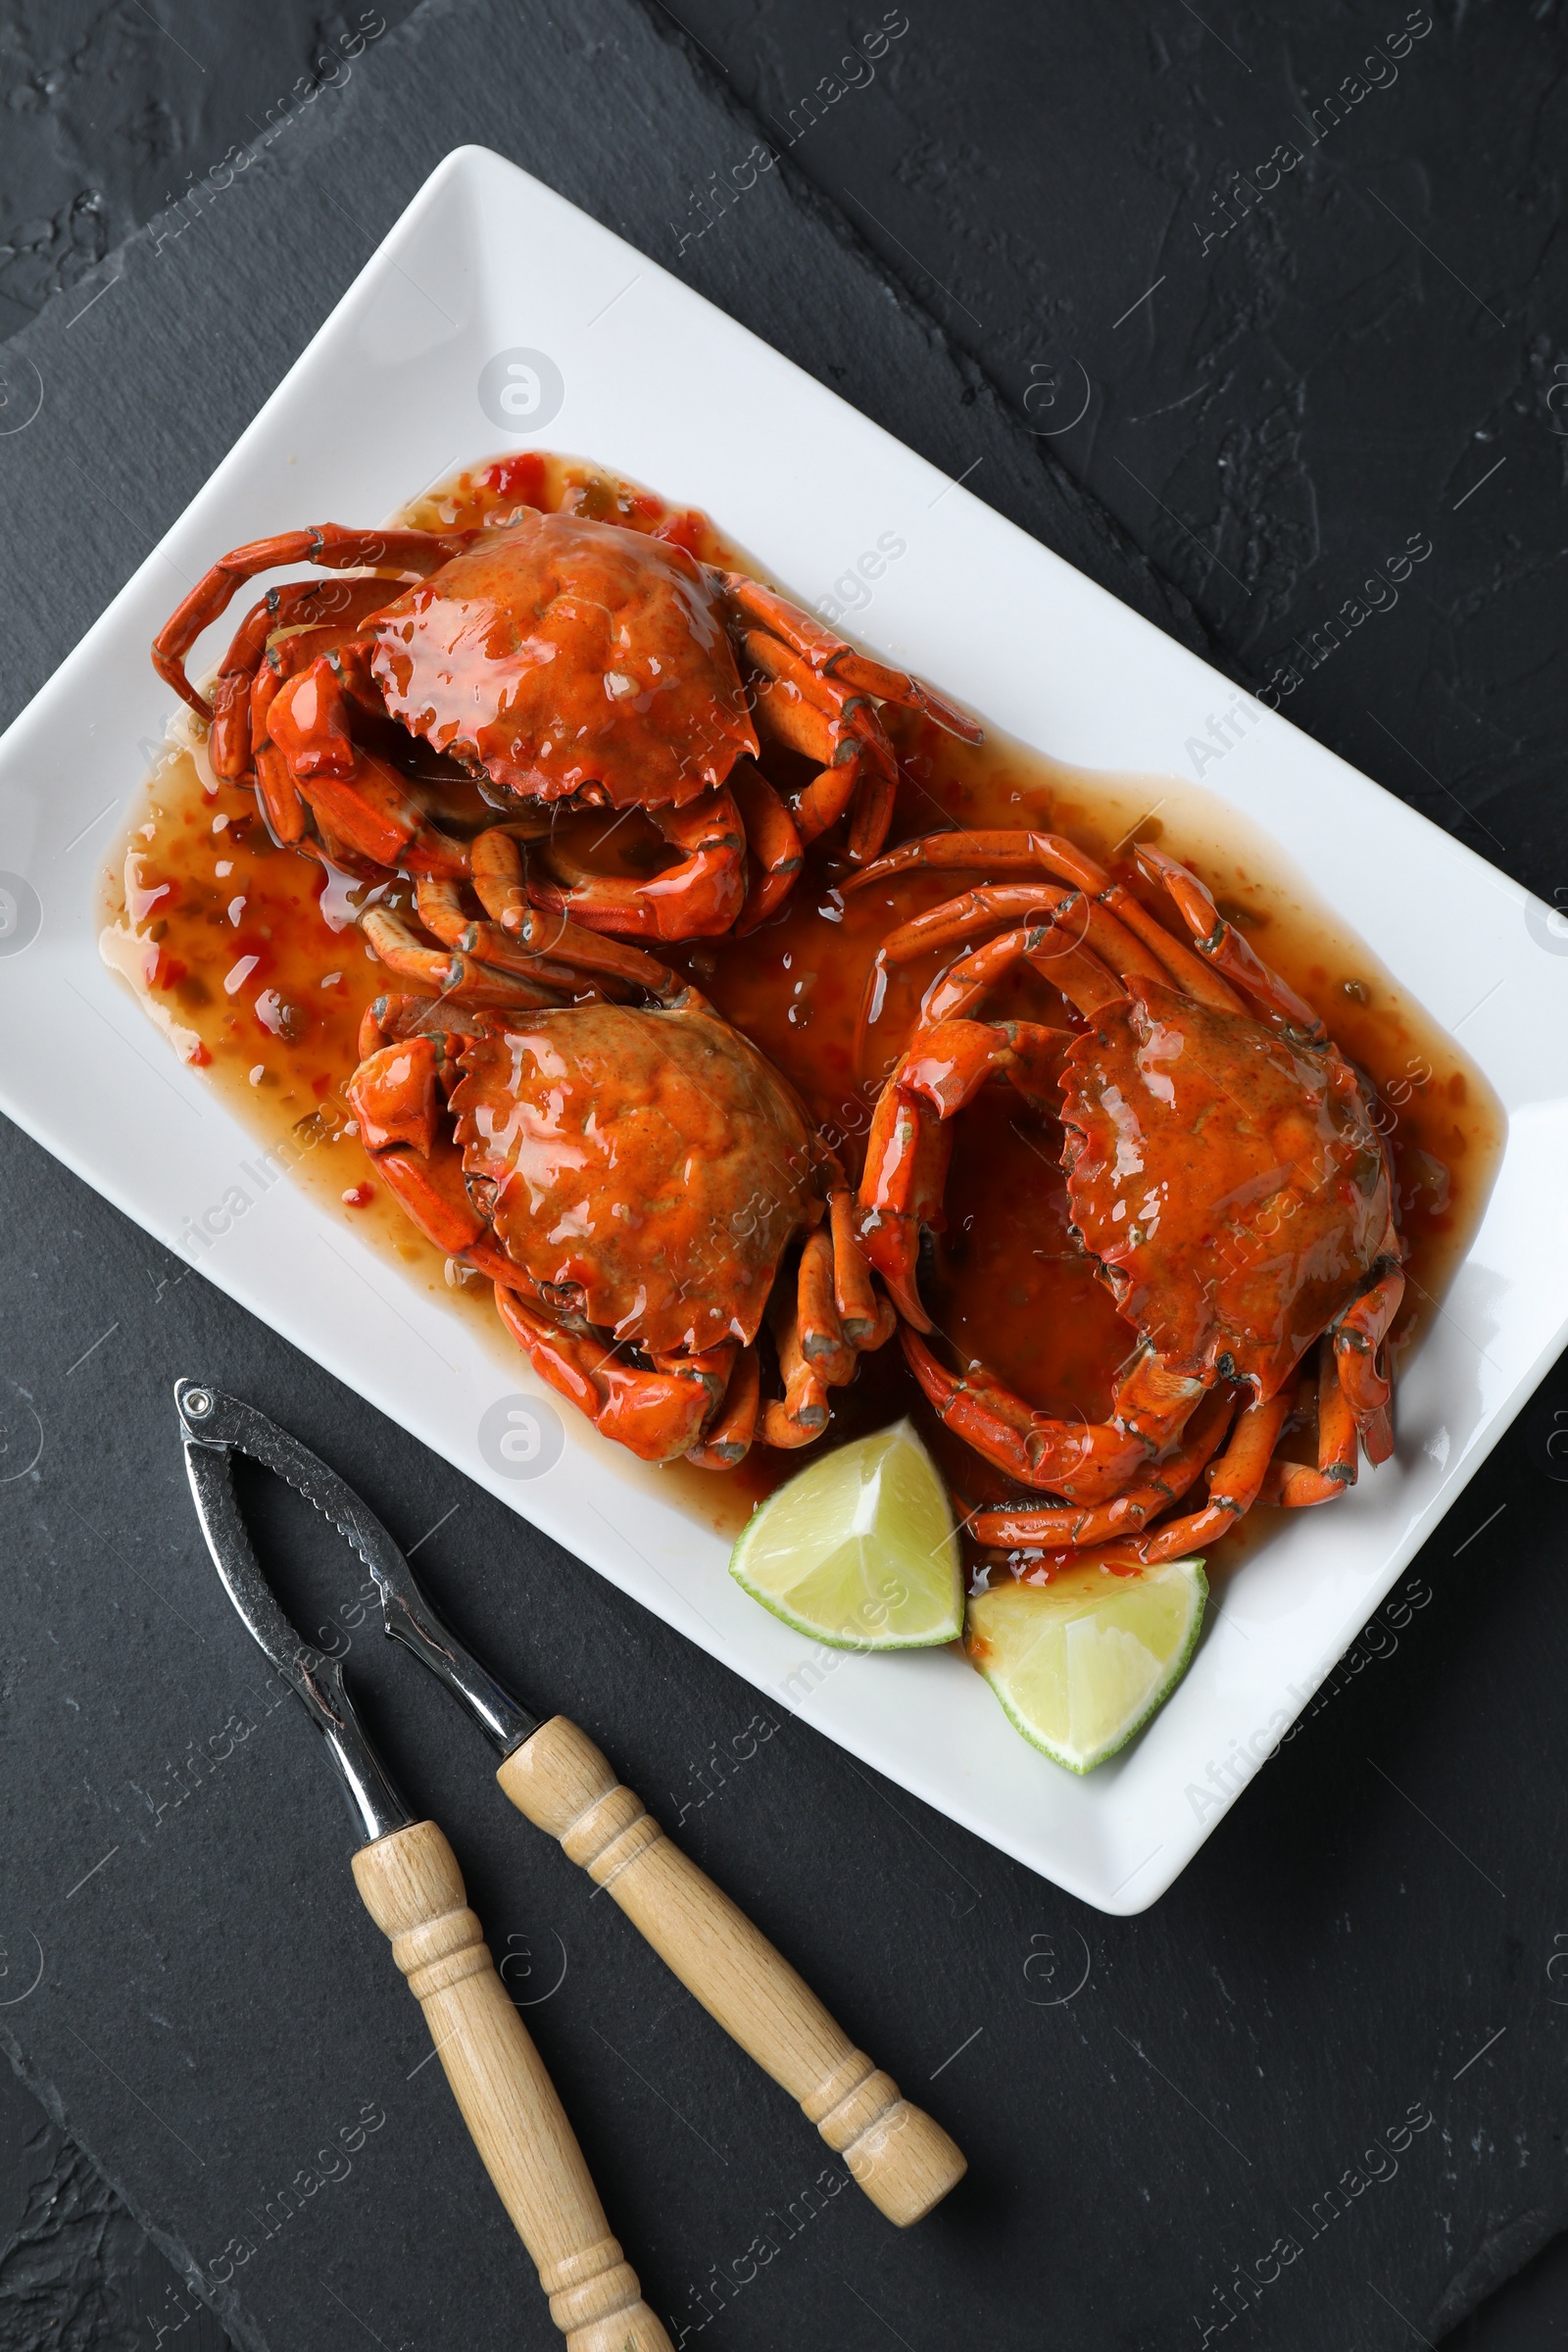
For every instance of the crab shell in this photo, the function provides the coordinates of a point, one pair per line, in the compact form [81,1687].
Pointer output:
[560,653]
[1229,1180]
[647,1169]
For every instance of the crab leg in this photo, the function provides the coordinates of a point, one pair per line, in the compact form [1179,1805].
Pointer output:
[829,691]
[1050,946]
[1221,945]
[854,1296]
[1235,1482]
[379,1022]
[1086,1462]
[551,948]
[696,899]
[371,811]
[1294,1485]
[730,1433]
[829,656]
[1020,852]
[441,912]
[950,1063]
[431,1193]
[823,1342]
[499,881]
[838,703]
[458,977]
[875,797]
[1057,1529]
[228,742]
[1358,1337]
[818,1348]
[408,553]
[771,840]
[804,1413]
[1155,1398]
[307,719]
[396,1095]
[998,850]
[959,919]
[500,878]
[820,699]
[826,797]
[1034,1060]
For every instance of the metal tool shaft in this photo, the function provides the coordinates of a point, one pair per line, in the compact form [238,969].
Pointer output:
[214,1420]
[316,1680]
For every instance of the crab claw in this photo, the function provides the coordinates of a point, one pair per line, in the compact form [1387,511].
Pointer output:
[357,798]
[396,1098]
[656,1414]
[1358,1337]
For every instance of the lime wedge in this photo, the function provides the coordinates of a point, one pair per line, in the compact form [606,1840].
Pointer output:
[858,1549]
[1082,1663]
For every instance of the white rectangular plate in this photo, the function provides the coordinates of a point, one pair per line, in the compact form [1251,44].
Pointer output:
[660,387]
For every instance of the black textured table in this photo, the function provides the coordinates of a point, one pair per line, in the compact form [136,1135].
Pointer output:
[1226,309]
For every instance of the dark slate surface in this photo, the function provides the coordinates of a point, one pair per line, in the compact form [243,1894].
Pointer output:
[1380,1927]
[1338,351]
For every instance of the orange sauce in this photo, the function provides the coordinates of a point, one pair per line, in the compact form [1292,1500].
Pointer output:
[247,956]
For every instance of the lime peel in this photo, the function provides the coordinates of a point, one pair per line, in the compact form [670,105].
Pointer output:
[858,1551]
[1081,1663]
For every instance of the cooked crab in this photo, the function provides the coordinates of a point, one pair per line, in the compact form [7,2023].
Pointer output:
[1224,1172]
[642,1188]
[567,663]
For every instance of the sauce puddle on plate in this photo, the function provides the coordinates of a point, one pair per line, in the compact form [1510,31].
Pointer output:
[247,955]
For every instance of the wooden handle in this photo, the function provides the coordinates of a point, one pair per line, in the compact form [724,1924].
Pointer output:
[904,2161]
[413,1889]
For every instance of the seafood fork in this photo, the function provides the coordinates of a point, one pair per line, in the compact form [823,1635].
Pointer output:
[554,1774]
